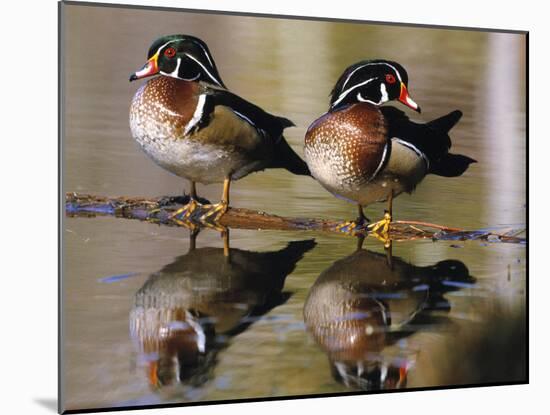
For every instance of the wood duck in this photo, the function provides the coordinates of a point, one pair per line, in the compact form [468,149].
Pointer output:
[363,152]
[360,306]
[189,123]
[187,312]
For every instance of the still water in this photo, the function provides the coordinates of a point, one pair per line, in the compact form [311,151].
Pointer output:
[290,313]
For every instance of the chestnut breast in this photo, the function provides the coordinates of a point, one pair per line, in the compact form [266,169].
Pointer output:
[164,104]
[165,107]
[345,148]
[162,116]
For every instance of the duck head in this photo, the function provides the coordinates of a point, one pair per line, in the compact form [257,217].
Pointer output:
[180,56]
[373,81]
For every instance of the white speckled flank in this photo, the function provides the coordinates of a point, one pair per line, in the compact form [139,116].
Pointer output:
[413,148]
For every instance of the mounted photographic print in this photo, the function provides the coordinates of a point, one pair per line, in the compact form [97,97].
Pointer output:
[262,207]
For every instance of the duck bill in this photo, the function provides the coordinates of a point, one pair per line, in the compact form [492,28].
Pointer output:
[149,69]
[405,99]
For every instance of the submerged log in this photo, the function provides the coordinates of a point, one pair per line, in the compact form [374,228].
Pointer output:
[161,211]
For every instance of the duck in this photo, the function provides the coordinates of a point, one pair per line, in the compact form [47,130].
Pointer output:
[359,308]
[364,152]
[188,122]
[187,312]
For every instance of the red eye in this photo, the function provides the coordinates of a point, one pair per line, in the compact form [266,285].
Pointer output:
[390,79]
[170,52]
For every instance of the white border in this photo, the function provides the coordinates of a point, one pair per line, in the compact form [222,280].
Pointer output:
[29,177]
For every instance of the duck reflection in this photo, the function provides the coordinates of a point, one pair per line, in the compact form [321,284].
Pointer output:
[368,301]
[188,311]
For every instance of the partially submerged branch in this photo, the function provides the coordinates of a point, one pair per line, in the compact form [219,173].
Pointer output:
[161,210]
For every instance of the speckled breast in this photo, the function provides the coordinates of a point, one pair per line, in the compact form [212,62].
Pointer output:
[355,293]
[344,149]
[161,113]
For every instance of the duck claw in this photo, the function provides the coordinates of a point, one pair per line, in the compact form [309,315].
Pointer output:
[382,226]
[192,226]
[213,213]
[195,214]
[185,211]
[351,227]
[380,230]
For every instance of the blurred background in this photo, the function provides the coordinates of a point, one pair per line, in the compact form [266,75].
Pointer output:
[287,67]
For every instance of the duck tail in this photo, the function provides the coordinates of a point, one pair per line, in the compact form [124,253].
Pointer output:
[445,123]
[451,165]
[295,250]
[285,157]
[449,270]
[285,122]
[285,259]
[448,164]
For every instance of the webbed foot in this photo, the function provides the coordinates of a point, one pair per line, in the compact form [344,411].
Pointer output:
[380,230]
[185,212]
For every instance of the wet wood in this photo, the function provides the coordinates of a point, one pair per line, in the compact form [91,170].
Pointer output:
[161,211]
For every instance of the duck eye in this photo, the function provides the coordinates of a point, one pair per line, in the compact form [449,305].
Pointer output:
[390,79]
[170,52]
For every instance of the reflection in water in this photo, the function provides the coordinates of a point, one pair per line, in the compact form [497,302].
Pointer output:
[187,312]
[367,301]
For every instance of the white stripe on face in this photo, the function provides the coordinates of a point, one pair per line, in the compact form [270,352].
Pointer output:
[175,71]
[347,91]
[175,75]
[205,52]
[361,99]
[383,96]
[383,93]
[206,70]
[159,49]
[370,64]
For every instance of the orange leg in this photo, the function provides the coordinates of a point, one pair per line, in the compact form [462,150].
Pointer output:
[380,230]
[216,211]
